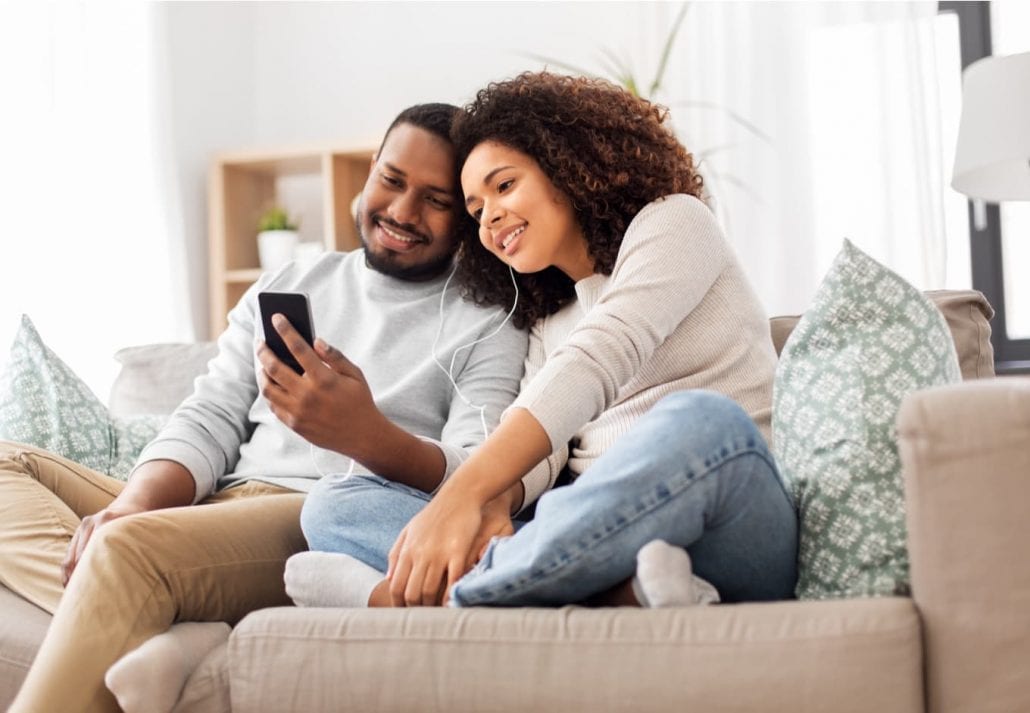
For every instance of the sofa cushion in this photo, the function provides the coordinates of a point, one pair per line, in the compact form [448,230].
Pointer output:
[968,315]
[22,628]
[207,689]
[869,339]
[804,657]
[44,404]
[155,378]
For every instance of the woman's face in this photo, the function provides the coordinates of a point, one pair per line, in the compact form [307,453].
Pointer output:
[523,219]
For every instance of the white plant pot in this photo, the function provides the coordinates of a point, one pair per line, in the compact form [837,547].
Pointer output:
[275,248]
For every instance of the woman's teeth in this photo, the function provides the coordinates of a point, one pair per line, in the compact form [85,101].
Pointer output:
[516,233]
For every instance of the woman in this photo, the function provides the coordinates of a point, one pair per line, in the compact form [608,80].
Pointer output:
[645,338]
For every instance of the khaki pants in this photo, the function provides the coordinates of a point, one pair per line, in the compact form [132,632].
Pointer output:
[139,574]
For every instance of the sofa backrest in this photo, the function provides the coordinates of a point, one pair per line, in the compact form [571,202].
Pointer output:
[155,378]
[968,315]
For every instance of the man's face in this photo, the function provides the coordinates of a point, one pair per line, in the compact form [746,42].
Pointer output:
[406,215]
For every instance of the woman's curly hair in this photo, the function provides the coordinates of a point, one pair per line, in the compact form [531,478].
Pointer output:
[609,152]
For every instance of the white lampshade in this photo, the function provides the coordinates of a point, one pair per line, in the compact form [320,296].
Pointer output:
[992,161]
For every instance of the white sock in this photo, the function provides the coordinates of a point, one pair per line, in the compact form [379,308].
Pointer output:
[150,679]
[664,578]
[329,579]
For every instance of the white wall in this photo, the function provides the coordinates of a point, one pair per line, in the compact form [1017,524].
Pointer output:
[272,74]
[209,49]
[343,70]
[254,75]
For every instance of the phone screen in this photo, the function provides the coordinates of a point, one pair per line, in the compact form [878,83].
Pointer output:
[297,310]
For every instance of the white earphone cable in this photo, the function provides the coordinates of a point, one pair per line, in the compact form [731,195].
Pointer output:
[449,372]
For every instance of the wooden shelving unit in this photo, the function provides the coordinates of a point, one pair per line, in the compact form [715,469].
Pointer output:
[318,184]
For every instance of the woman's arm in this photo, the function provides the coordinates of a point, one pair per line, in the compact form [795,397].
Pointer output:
[672,254]
[433,550]
[518,444]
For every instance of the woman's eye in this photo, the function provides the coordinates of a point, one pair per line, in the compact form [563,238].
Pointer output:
[391,180]
[476,214]
[505,185]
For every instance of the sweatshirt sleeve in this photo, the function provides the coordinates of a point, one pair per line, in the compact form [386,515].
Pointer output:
[488,384]
[205,432]
[543,475]
[671,255]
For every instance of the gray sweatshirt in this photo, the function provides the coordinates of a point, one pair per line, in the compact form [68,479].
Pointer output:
[225,434]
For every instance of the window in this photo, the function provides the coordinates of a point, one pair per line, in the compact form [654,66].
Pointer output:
[1000,244]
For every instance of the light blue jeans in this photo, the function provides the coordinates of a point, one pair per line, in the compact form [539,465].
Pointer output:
[694,471]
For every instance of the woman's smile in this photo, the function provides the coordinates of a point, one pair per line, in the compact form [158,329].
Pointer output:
[507,239]
[506,191]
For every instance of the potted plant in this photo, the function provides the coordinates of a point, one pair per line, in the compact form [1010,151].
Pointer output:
[277,238]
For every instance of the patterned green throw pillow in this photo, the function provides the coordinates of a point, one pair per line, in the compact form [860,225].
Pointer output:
[44,404]
[869,339]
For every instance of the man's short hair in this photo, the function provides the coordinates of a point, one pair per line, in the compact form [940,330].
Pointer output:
[436,118]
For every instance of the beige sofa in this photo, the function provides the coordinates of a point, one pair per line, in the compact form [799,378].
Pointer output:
[961,643]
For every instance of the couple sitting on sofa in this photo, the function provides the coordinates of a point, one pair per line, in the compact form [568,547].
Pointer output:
[592,234]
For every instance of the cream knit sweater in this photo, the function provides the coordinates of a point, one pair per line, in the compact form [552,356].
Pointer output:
[676,313]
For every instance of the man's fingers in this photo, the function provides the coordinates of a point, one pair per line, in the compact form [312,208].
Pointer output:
[275,394]
[68,563]
[274,368]
[75,548]
[336,359]
[296,344]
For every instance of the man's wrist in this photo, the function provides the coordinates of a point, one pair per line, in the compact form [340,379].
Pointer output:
[391,452]
[155,485]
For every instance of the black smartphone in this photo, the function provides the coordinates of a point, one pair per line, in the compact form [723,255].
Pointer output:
[297,310]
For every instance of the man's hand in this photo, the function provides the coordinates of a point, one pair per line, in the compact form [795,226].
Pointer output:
[330,405]
[87,527]
[154,485]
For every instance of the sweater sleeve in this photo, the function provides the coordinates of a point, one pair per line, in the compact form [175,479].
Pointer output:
[543,475]
[487,385]
[205,432]
[671,255]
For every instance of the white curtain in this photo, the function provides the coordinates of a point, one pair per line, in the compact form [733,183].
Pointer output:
[91,245]
[851,111]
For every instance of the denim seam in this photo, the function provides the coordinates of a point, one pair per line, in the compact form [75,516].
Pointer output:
[592,543]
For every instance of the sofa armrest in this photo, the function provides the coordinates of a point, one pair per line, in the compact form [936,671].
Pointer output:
[965,451]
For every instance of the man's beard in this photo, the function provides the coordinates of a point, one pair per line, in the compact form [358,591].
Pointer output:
[386,261]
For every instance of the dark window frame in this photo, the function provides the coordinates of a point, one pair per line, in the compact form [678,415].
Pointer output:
[1011,356]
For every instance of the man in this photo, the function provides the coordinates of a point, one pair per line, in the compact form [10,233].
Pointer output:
[254,436]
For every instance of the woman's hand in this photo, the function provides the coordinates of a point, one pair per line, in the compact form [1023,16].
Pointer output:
[434,550]
[496,523]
